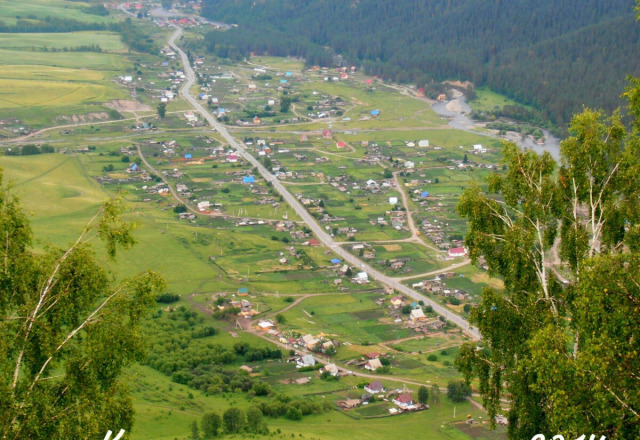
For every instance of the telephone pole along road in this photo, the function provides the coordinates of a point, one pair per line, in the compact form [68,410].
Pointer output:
[320,233]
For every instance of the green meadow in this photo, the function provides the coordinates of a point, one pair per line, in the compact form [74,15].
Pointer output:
[488,101]
[10,10]
[165,410]
[108,41]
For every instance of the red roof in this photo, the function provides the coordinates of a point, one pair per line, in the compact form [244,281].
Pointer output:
[404,398]
[372,355]
[314,242]
[458,250]
[341,144]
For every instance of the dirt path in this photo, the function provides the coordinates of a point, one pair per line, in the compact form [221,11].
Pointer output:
[300,299]
[439,271]
[59,127]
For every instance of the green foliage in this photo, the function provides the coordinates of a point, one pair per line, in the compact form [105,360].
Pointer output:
[162,110]
[280,318]
[96,10]
[432,357]
[29,149]
[134,36]
[294,413]
[537,67]
[458,390]
[66,333]
[178,209]
[406,309]
[254,420]
[423,395]
[195,431]
[261,388]
[167,298]
[235,420]
[285,104]
[434,395]
[183,349]
[211,425]
[547,337]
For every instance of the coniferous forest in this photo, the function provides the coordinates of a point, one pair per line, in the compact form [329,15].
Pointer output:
[554,55]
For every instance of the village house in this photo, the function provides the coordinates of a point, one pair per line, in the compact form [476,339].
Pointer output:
[417,315]
[373,364]
[331,368]
[265,326]
[403,400]
[305,361]
[375,387]
[397,301]
[457,252]
[308,341]
[349,403]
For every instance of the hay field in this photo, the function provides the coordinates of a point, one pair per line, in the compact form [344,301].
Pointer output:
[44,86]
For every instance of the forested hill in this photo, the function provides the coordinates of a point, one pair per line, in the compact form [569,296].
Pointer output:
[554,54]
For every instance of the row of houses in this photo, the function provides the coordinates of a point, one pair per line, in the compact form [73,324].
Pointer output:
[401,398]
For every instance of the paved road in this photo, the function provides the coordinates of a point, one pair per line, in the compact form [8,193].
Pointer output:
[319,232]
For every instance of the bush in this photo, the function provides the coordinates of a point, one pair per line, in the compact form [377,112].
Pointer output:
[288,299]
[179,209]
[29,150]
[294,413]
[432,357]
[458,390]
[167,298]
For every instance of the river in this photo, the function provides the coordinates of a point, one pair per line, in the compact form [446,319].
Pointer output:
[457,109]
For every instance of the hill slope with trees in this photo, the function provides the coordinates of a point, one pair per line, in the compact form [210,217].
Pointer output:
[549,54]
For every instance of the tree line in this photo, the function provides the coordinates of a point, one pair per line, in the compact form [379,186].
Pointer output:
[551,55]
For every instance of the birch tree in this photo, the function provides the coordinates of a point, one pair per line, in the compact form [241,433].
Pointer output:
[560,341]
[66,331]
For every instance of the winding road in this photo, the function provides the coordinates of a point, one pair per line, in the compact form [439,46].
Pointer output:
[319,232]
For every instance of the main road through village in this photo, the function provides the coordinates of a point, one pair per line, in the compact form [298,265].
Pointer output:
[320,233]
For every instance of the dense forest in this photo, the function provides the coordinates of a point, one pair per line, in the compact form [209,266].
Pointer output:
[554,55]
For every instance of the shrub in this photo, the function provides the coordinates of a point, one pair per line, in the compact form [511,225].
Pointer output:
[458,390]
[167,298]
